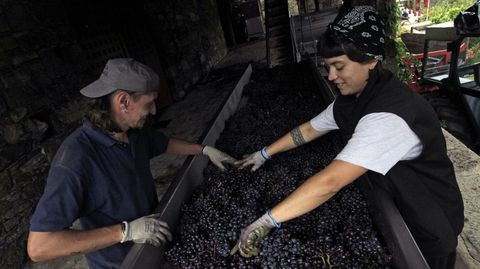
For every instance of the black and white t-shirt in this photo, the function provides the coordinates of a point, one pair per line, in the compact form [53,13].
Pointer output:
[380,140]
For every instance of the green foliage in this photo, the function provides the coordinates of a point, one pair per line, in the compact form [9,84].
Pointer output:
[404,60]
[402,56]
[472,52]
[447,10]
[392,25]
[440,11]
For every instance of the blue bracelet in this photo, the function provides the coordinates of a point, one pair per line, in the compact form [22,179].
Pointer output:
[265,154]
[277,225]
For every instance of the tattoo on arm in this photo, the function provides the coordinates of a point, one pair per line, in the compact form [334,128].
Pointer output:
[297,137]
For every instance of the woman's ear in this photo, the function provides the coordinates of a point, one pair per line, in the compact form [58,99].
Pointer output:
[372,64]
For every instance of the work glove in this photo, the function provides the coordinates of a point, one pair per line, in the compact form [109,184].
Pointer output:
[218,157]
[251,236]
[148,229]
[257,159]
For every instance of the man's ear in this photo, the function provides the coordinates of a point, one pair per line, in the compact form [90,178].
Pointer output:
[121,100]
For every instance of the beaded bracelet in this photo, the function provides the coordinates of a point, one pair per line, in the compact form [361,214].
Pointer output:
[277,225]
[265,154]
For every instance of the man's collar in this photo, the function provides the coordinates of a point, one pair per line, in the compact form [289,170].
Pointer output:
[97,135]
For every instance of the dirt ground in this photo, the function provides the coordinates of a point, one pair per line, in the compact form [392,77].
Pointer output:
[467,170]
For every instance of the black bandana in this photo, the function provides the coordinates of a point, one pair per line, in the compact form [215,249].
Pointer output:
[363,27]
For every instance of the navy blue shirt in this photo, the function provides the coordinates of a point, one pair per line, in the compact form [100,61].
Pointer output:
[102,182]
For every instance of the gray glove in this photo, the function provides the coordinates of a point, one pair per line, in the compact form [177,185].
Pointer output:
[256,159]
[252,235]
[147,229]
[218,157]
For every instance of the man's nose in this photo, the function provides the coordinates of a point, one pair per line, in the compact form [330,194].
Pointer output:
[153,109]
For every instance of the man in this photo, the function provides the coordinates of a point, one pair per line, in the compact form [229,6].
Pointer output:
[101,174]
[393,136]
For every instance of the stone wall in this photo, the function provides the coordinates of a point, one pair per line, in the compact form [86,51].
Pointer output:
[49,49]
[310,6]
[195,42]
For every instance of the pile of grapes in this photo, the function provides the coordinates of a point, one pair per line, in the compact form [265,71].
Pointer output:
[338,234]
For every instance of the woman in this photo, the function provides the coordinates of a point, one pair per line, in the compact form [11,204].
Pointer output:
[393,136]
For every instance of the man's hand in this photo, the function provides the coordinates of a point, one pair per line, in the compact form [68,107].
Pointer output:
[218,157]
[252,235]
[147,229]
[256,159]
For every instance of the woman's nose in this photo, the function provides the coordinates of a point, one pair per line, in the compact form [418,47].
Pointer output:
[332,74]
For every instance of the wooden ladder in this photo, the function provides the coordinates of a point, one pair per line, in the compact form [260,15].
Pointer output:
[278,33]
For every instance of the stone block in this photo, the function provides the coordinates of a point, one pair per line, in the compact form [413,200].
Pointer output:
[3,162]
[49,13]
[35,40]
[36,164]
[3,24]
[12,78]
[24,57]
[50,147]
[17,90]
[3,106]
[18,18]
[72,111]
[9,224]
[25,207]
[5,184]
[40,77]
[13,255]
[25,130]
[72,54]
[185,65]
[3,55]
[8,43]
[33,190]
[193,17]
[7,212]
[51,63]
[17,114]
[5,62]
[34,129]
[4,28]
[11,133]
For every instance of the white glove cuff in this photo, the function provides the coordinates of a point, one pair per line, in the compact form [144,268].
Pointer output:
[124,231]
[203,150]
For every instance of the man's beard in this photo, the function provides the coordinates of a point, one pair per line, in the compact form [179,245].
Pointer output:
[144,121]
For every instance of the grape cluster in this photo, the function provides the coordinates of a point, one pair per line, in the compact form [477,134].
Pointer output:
[337,234]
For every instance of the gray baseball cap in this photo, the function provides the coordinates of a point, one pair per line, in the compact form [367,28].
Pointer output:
[122,73]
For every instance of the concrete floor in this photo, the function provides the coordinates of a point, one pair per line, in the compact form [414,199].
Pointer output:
[202,103]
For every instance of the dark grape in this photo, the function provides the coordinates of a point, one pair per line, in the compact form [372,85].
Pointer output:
[338,234]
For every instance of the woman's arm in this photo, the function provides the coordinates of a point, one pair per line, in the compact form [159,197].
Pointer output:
[300,135]
[317,190]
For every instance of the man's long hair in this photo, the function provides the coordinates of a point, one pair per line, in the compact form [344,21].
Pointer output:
[100,113]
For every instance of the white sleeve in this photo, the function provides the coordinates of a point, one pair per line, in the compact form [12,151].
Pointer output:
[324,121]
[379,141]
